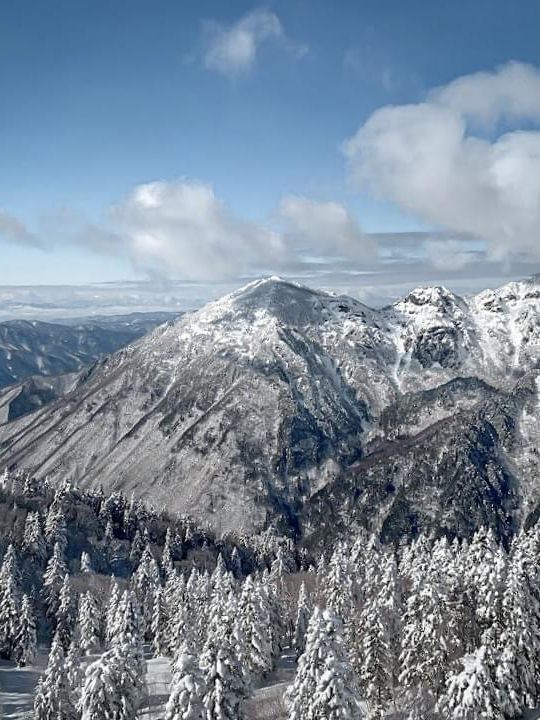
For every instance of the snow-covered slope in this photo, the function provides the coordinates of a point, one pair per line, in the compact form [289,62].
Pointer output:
[244,410]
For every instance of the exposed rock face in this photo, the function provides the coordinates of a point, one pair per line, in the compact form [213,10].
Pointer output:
[282,404]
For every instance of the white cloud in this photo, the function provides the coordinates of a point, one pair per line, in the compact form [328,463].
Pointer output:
[512,92]
[425,158]
[182,228]
[232,50]
[323,228]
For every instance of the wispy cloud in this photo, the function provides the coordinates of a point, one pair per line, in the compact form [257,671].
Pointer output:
[431,160]
[15,231]
[232,50]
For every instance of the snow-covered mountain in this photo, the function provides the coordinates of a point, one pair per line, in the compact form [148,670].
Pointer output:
[280,403]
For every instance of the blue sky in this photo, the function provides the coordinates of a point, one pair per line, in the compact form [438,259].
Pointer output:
[101,97]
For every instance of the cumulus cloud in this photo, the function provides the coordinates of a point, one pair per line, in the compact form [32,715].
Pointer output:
[183,228]
[429,159]
[510,93]
[232,50]
[323,227]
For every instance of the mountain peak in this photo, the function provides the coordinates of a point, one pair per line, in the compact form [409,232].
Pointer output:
[435,297]
[288,302]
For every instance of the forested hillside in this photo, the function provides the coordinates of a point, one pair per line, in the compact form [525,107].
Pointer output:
[429,629]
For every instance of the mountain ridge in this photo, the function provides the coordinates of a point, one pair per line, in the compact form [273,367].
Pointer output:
[238,412]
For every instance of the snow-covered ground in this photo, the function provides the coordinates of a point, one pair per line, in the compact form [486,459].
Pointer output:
[17,687]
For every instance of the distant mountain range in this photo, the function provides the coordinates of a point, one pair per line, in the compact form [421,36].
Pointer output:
[282,405]
[36,355]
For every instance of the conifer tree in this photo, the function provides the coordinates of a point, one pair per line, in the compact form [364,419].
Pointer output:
[376,670]
[252,630]
[146,581]
[9,604]
[166,556]
[303,613]
[186,701]
[112,610]
[25,638]
[89,623]
[55,527]
[65,615]
[74,668]
[425,643]
[224,679]
[338,591]
[53,579]
[160,640]
[128,638]
[86,563]
[471,693]
[53,700]
[324,687]
[109,690]
[33,540]
[236,563]
[519,642]
[115,684]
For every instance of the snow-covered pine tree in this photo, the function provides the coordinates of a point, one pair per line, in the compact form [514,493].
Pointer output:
[175,611]
[159,626]
[53,579]
[224,679]
[334,697]
[25,638]
[56,528]
[338,590]
[236,563]
[128,637]
[74,668]
[303,613]
[253,631]
[65,615]
[471,694]
[89,623]
[186,701]
[112,610]
[33,541]
[425,642]
[145,582]
[109,689]
[9,604]
[375,666]
[86,563]
[390,601]
[518,644]
[275,603]
[53,700]
[114,685]
[324,687]
[167,564]
[224,683]
[137,549]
